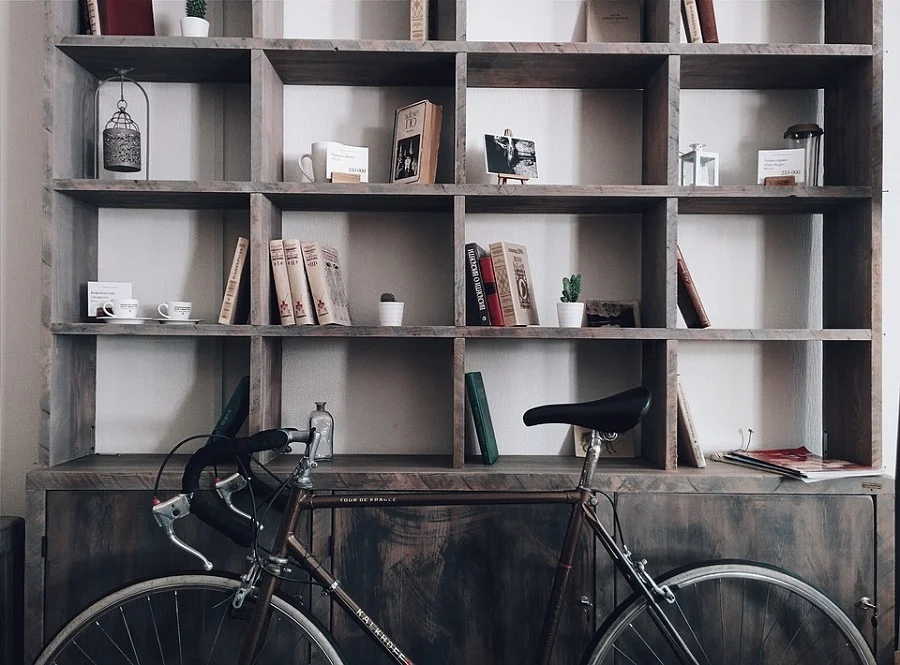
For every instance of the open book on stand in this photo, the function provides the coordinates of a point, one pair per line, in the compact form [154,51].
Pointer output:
[797,463]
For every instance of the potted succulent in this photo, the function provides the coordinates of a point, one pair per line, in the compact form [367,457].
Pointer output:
[568,309]
[390,312]
[194,24]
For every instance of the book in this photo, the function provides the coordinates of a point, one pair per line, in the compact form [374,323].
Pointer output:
[689,298]
[707,12]
[691,19]
[514,284]
[613,21]
[688,444]
[495,312]
[418,20]
[476,301]
[481,414]
[282,284]
[235,412]
[126,17]
[417,138]
[326,282]
[301,298]
[235,302]
[797,463]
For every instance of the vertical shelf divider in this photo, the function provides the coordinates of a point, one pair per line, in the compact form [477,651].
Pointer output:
[658,428]
[459,403]
[658,278]
[852,21]
[462,81]
[660,132]
[662,21]
[268,19]
[266,120]
[459,263]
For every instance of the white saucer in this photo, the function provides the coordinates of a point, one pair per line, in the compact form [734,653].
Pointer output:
[123,320]
[180,321]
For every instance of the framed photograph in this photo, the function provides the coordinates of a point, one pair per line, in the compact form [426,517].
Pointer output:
[616,313]
[510,157]
[622,447]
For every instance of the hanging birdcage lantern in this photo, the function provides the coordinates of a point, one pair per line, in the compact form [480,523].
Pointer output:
[122,145]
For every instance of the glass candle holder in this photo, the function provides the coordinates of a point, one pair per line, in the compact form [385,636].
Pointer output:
[699,168]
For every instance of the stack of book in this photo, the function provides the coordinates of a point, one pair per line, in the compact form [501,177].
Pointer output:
[797,463]
[699,17]
[499,289]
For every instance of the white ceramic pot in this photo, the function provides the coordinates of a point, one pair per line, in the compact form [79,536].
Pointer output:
[191,26]
[390,313]
[570,314]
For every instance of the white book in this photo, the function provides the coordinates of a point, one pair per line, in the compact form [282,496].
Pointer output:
[514,284]
[326,282]
[304,314]
[230,304]
[282,284]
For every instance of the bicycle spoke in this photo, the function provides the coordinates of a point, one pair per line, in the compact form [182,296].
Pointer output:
[796,632]
[743,607]
[691,628]
[113,642]
[218,630]
[162,657]
[649,648]
[263,647]
[625,655]
[178,627]
[78,646]
[722,617]
[130,638]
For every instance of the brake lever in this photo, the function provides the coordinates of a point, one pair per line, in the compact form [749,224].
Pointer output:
[228,486]
[166,512]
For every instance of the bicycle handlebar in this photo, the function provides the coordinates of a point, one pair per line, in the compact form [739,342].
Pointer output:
[206,504]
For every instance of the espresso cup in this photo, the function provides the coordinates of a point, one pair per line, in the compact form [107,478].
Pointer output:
[317,156]
[125,308]
[177,310]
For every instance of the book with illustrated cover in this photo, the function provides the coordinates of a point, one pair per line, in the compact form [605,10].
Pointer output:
[476,398]
[476,299]
[495,312]
[282,285]
[326,282]
[301,298]
[417,138]
[418,20]
[514,284]
[798,463]
[688,444]
[689,298]
[236,301]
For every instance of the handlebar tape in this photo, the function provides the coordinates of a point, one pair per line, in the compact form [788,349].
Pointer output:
[206,504]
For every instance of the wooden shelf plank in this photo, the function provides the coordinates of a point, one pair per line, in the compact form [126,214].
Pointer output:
[757,199]
[155,329]
[170,59]
[411,472]
[180,194]
[363,196]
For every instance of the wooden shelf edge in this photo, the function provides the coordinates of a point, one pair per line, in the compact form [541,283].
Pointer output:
[406,472]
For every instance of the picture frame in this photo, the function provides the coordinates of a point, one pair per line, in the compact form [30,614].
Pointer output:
[510,157]
[613,313]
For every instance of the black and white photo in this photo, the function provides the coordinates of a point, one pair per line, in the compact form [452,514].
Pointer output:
[511,157]
[614,313]
[407,165]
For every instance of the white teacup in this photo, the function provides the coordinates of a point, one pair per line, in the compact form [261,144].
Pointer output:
[125,308]
[177,310]
[317,156]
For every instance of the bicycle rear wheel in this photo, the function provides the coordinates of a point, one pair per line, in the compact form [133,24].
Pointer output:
[188,620]
[734,613]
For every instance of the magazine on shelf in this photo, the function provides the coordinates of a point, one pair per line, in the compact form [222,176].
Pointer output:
[797,463]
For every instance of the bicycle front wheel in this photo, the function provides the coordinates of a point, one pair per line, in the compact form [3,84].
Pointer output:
[734,612]
[189,620]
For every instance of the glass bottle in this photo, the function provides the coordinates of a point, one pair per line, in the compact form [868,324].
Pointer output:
[324,424]
[807,137]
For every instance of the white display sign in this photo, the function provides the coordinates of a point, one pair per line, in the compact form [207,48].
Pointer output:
[790,162]
[347,159]
[102,292]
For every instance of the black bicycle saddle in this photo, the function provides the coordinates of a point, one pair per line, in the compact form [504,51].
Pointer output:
[617,413]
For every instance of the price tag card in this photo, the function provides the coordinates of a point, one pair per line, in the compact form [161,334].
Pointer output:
[790,162]
[347,159]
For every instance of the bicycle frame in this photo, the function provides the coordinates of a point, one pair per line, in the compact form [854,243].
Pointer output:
[582,499]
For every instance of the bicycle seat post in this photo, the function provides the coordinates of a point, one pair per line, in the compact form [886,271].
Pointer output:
[593,454]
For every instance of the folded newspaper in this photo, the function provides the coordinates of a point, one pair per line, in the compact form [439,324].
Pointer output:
[797,463]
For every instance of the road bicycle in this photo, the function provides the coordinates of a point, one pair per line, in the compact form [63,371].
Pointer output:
[723,612]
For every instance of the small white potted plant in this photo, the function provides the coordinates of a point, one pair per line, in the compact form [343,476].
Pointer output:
[390,312]
[568,309]
[194,24]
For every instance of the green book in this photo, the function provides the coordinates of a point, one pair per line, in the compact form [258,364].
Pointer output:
[481,414]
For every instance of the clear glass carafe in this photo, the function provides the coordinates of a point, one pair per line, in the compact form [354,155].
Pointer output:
[807,137]
[324,424]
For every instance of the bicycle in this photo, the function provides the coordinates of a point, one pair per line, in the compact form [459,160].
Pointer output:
[728,611]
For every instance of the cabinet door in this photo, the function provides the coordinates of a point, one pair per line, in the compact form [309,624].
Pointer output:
[459,585]
[827,540]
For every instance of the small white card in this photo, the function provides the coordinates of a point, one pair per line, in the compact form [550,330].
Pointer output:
[102,292]
[347,159]
[780,163]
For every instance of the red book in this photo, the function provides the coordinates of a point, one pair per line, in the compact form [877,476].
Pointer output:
[707,13]
[126,17]
[490,290]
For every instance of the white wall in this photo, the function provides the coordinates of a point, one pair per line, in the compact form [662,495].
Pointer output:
[759,20]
